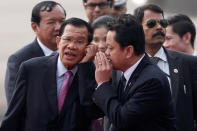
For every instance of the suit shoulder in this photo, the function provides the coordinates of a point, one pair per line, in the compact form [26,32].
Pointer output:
[24,50]
[153,72]
[29,51]
[38,60]
[182,55]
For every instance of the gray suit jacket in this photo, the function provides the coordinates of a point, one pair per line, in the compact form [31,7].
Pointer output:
[183,75]
[14,61]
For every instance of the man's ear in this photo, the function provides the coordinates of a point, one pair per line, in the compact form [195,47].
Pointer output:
[187,38]
[58,41]
[129,51]
[34,26]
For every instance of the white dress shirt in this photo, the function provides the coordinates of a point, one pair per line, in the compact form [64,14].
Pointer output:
[127,74]
[60,74]
[163,62]
[195,53]
[45,49]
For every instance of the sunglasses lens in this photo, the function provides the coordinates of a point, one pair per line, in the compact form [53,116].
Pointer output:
[164,23]
[151,23]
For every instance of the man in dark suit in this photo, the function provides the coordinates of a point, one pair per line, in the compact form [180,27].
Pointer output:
[37,104]
[179,68]
[142,100]
[46,19]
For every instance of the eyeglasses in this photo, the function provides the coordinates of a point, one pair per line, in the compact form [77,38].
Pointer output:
[152,22]
[101,5]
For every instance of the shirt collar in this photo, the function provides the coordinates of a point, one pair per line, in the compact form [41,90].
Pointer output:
[160,54]
[45,49]
[128,72]
[195,53]
[61,69]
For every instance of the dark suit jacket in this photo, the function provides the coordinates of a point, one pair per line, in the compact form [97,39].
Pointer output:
[146,104]
[34,105]
[14,61]
[183,75]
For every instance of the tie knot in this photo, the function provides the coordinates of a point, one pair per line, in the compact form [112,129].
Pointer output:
[155,59]
[68,74]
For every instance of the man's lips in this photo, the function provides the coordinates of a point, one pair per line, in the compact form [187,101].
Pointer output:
[70,54]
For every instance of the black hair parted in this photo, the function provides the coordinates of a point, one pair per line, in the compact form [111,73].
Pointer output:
[43,6]
[77,22]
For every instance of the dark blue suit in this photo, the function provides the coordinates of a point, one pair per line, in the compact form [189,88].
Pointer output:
[146,104]
[183,75]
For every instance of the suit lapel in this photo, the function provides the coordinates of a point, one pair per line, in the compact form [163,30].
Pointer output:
[175,72]
[50,84]
[136,74]
[36,49]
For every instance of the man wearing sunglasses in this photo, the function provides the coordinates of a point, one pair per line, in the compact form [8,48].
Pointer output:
[96,8]
[180,69]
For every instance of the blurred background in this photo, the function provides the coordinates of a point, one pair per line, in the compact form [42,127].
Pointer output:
[15,29]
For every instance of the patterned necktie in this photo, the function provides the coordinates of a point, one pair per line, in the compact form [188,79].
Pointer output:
[155,59]
[64,90]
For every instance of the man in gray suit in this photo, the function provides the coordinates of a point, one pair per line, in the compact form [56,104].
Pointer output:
[179,68]
[47,16]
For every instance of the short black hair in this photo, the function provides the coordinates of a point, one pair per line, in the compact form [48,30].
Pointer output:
[129,32]
[109,2]
[181,24]
[178,18]
[77,22]
[102,21]
[139,12]
[48,6]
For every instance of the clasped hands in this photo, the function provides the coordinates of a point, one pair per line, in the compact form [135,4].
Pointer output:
[103,65]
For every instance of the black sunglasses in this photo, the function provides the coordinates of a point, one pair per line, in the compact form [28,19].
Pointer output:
[101,5]
[152,22]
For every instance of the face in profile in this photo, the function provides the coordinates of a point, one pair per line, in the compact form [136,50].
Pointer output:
[96,8]
[72,45]
[99,38]
[48,28]
[114,52]
[173,41]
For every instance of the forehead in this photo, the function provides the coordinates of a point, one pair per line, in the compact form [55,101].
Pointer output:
[101,29]
[74,31]
[149,14]
[96,1]
[111,37]
[169,30]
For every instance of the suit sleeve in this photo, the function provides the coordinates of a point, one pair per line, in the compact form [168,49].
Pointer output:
[15,115]
[87,85]
[194,86]
[139,107]
[10,78]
